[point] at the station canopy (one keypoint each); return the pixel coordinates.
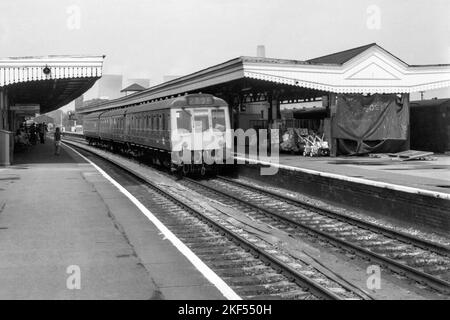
(367, 69)
(49, 82)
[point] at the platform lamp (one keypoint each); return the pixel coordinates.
(46, 70)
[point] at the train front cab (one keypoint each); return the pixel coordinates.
(201, 136)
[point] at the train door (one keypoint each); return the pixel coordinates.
(202, 134)
(182, 129)
(220, 125)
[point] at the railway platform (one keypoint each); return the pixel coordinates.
(66, 232)
(416, 193)
(431, 177)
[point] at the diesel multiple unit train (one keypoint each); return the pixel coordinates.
(188, 133)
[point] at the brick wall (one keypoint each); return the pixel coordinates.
(422, 212)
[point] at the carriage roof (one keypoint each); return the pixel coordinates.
(177, 102)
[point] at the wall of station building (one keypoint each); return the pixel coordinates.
(356, 123)
(6, 137)
(430, 125)
(4, 116)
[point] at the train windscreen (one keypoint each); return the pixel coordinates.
(201, 120)
(184, 120)
(218, 120)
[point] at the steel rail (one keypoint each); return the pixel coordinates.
(421, 243)
(417, 275)
(275, 263)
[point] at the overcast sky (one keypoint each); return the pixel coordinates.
(153, 38)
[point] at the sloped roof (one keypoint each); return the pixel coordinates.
(378, 71)
(342, 56)
(49, 81)
(133, 87)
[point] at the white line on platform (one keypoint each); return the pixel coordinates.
(378, 184)
(191, 256)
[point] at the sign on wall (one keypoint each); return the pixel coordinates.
(26, 108)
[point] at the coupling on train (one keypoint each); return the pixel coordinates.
(189, 134)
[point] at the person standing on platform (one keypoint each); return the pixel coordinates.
(33, 136)
(57, 137)
(41, 132)
(44, 130)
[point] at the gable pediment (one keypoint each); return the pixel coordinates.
(372, 71)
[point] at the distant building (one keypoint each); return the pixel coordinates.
(261, 51)
(140, 81)
(79, 103)
(44, 118)
(57, 115)
(132, 89)
(109, 86)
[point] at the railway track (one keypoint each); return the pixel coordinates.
(422, 261)
(253, 268)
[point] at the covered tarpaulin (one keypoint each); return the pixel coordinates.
(376, 123)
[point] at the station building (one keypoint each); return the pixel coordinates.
(364, 92)
(37, 85)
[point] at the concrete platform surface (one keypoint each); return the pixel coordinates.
(59, 215)
(431, 175)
